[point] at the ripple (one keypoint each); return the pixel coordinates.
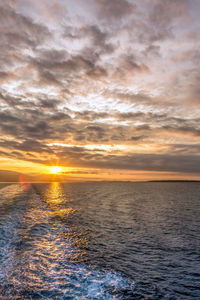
(38, 255)
(100, 241)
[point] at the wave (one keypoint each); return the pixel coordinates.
(36, 252)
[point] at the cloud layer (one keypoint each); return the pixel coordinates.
(101, 84)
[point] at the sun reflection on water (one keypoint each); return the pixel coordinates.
(54, 194)
(57, 201)
(59, 206)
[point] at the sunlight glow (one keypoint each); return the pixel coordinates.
(55, 169)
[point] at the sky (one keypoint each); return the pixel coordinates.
(109, 90)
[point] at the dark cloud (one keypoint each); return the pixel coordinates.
(34, 124)
(19, 29)
(60, 70)
(151, 162)
(18, 33)
(9, 99)
(27, 145)
(116, 9)
(99, 39)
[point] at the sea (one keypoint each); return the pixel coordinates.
(100, 240)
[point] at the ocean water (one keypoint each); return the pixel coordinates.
(100, 241)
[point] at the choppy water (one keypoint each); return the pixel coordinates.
(100, 241)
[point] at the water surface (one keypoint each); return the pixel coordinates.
(100, 241)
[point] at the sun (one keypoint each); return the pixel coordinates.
(55, 169)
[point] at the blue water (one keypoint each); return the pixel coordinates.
(100, 241)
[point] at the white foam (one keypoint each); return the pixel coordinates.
(43, 264)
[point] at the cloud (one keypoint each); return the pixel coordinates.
(114, 9)
(115, 73)
(79, 157)
(19, 31)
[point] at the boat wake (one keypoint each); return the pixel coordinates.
(37, 255)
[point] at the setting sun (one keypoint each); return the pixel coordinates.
(56, 169)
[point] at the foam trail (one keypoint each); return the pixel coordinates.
(36, 257)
